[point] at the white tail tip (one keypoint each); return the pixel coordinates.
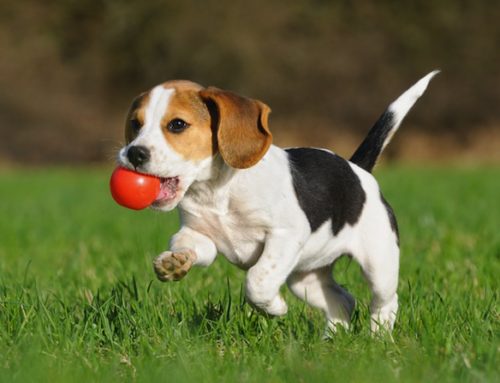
(404, 102)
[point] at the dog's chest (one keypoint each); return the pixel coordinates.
(238, 233)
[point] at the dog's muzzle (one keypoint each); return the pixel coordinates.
(138, 155)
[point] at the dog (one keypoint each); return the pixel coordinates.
(284, 215)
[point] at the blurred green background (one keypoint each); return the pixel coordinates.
(78, 297)
(69, 69)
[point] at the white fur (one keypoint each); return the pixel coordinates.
(253, 217)
(165, 161)
(259, 226)
(402, 105)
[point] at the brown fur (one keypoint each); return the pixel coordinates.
(195, 143)
(243, 136)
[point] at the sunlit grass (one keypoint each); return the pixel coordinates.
(79, 301)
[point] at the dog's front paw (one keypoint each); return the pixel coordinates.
(173, 266)
(276, 307)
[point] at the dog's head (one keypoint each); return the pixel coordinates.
(175, 130)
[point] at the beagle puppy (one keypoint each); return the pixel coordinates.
(284, 215)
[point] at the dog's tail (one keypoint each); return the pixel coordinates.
(380, 134)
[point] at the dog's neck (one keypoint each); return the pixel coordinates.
(211, 190)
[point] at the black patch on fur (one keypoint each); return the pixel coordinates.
(326, 188)
(392, 217)
(367, 153)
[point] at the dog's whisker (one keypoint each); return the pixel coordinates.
(282, 214)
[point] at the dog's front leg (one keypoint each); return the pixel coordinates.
(265, 278)
(187, 248)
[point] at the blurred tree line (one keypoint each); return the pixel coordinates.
(69, 68)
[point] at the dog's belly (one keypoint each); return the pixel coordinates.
(240, 241)
(242, 254)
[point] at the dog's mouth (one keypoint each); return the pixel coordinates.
(169, 187)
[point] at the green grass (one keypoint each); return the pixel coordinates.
(79, 300)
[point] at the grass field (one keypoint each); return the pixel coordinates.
(79, 300)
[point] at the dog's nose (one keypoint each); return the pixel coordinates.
(138, 155)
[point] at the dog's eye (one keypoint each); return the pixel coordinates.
(177, 125)
(135, 125)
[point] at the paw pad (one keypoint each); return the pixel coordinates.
(173, 266)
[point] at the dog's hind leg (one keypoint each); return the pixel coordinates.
(318, 289)
(380, 265)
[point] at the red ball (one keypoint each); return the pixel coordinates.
(133, 190)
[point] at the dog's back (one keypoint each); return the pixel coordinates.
(284, 215)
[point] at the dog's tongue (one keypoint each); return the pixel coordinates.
(168, 189)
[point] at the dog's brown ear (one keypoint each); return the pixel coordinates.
(243, 136)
